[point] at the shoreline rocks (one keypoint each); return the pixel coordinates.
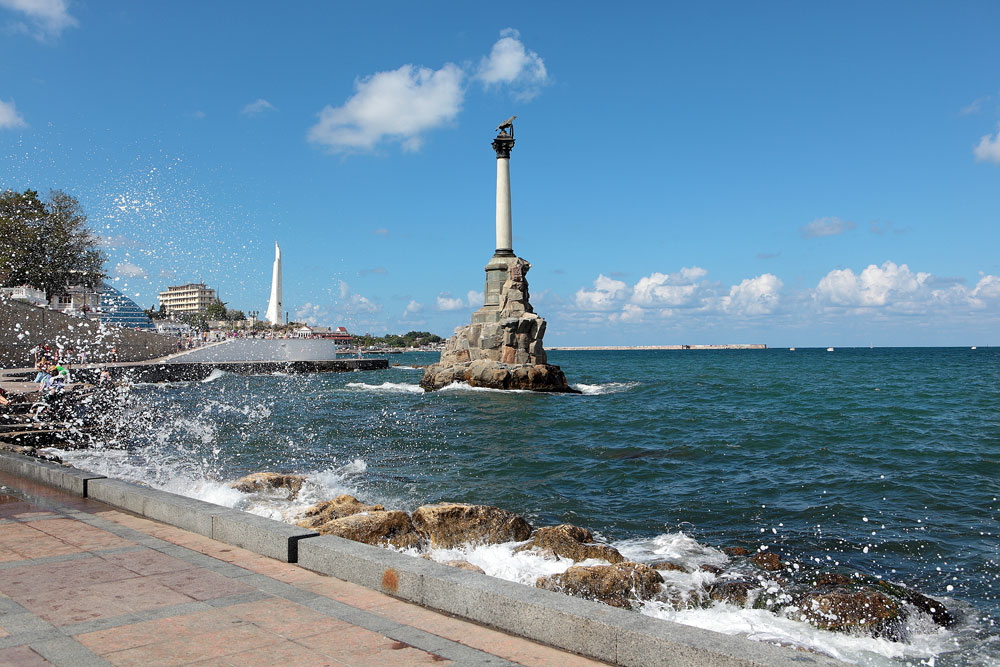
(832, 600)
(621, 585)
(449, 525)
(569, 541)
(269, 481)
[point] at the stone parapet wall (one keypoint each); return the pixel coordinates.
(23, 327)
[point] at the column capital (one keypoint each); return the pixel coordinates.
(503, 145)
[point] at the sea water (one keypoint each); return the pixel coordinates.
(883, 461)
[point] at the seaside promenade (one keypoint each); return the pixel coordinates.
(83, 583)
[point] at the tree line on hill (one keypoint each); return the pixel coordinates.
(409, 339)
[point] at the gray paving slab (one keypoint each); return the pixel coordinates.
(67, 652)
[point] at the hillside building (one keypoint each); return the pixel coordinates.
(191, 298)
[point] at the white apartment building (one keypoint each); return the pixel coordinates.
(192, 298)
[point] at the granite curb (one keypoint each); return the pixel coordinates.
(588, 628)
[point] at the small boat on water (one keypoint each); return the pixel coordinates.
(973, 347)
(829, 349)
(791, 349)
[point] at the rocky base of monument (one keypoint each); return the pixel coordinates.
(497, 375)
(502, 348)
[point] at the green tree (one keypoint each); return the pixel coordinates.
(215, 310)
(47, 244)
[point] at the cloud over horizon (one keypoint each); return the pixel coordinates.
(886, 290)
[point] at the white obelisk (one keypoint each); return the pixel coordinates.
(274, 307)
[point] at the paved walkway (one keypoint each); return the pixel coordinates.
(82, 583)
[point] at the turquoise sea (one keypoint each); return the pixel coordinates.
(884, 461)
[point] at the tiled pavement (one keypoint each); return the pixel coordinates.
(82, 583)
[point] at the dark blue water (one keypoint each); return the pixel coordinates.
(886, 461)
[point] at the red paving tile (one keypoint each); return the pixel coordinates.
(285, 653)
(18, 582)
(147, 561)
(202, 584)
(80, 534)
(265, 632)
(61, 606)
(239, 637)
(21, 656)
(287, 619)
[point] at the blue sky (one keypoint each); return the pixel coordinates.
(780, 173)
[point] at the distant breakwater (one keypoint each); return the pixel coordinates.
(734, 346)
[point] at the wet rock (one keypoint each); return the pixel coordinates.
(935, 609)
(766, 560)
(831, 579)
(711, 569)
(734, 591)
(465, 565)
(338, 508)
(845, 610)
(619, 585)
(667, 565)
(736, 551)
(379, 527)
(449, 525)
(506, 371)
(269, 481)
(569, 541)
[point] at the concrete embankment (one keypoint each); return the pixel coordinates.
(588, 628)
(23, 327)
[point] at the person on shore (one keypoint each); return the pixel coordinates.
(42, 366)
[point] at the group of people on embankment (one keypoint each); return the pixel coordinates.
(52, 369)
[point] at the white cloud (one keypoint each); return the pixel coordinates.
(988, 149)
(682, 289)
(475, 298)
(381, 231)
(259, 106)
(312, 313)
(988, 288)
(130, 270)
(606, 295)
(754, 296)
(511, 63)
(9, 117)
(413, 307)
(826, 227)
(630, 313)
(46, 18)
(352, 303)
(889, 285)
(445, 301)
(399, 105)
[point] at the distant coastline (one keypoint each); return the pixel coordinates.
(737, 346)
